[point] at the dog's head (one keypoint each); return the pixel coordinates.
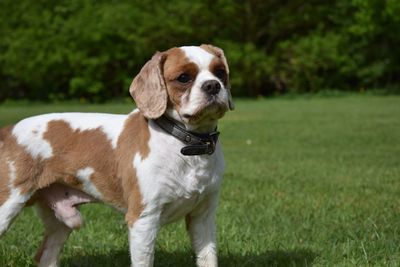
(189, 84)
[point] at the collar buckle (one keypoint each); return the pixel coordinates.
(210, 147)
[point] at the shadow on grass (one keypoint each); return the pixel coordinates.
(277, 258)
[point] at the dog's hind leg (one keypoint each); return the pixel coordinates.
(56, 233)
(11, 198)
(10, 209)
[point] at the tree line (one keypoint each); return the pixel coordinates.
(52, 50)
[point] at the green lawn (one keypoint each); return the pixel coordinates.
(309, 182)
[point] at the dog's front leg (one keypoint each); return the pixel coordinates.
(200, 224)
(142, 237)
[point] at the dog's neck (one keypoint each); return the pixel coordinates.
(195, 143)
(204, 126)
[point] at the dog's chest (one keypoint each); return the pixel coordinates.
(189, 188)
(178, 208)
(174, 183)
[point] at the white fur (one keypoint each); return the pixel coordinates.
(83, 176)
(202, 231)
(170, 191)
(56, 234)
(182, 177)
(29, 132)
(198, 55)
(173, 185)
(142, 236)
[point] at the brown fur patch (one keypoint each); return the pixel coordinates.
(10, 151)
(114, 174)
(219, 53)
(26, 167)
(31, 174)
(216, 65)
(134, 139)
(4, 181)
(4, 169)
(212, 50)
(74, 150)
(177, 63)
(148, 88)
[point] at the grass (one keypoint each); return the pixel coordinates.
(309, 182)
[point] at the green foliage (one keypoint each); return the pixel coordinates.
(311, 62)
(92, 49)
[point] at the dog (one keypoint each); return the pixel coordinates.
(158, 164)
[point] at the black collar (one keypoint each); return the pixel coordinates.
(196, 144)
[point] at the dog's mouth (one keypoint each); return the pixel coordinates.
(211, 110)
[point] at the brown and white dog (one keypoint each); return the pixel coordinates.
(148, 168)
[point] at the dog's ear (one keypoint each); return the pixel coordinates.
(220, 53)
(148, 88)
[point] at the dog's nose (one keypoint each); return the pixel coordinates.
(211, 87)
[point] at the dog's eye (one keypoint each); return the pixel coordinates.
(220, 73)
(184, 78)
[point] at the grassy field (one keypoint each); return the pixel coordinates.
(309, 182)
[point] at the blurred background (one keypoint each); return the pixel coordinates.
(91, 50)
